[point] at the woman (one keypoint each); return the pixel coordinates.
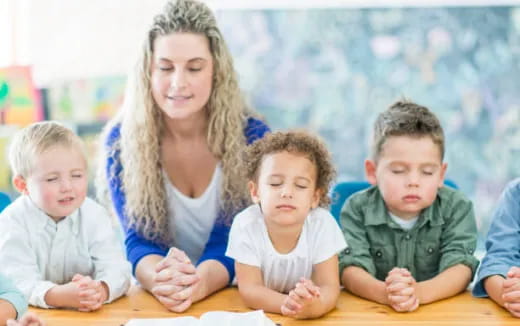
(172, 164)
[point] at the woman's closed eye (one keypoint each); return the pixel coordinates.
(165, 68)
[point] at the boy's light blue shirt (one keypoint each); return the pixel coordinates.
(10, 293)
(503, 239)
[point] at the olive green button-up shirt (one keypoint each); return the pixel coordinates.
(445, 235)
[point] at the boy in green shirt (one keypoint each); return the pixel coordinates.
(411, 240)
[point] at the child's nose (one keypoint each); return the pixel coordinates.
(413, 180)
(287, 192)
(66, 184)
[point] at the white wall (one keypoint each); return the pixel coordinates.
(79, 39)
(73, 39)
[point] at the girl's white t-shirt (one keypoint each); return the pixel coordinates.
(249, 244)
(191, 219)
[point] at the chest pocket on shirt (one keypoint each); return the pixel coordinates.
(383, 256)
(427, 255)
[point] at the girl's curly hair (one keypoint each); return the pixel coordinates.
(300, 142)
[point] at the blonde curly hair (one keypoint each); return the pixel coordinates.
(142, 127)
(300, 142)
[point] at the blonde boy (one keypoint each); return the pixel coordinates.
(56, 244)
(411, 240)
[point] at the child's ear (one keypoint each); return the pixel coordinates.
(444, 167)
(20, 184)
(253, 191)
(370, 172)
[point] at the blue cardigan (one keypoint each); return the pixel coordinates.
(136, 246)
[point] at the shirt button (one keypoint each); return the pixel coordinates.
(408, 237)
(379, 254)
(430, 250)
(346, 251)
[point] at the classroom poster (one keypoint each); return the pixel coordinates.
(20, 101)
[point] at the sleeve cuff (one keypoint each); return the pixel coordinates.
(478, 290)
(135, 257)
(346, 259)
(37, 297)
(468, 260)
(117, 285)
(229, 264)
(18, 302)
(326, 255)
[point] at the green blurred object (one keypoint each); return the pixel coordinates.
(4, 92)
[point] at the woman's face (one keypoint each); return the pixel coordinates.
(181, 74)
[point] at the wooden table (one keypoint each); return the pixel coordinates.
(460, 310)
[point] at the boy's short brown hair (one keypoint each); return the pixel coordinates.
(34, 139)
(300, 142)
(405, 118)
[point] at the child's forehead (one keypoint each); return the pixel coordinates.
(287, 162)
(61, 153)
(71, 148)
(286, 156)
(410, 146)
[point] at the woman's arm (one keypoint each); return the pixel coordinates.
(213, 276)
(145, 271)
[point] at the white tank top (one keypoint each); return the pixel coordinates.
(191, 219)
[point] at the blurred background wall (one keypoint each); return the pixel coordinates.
(329, 66)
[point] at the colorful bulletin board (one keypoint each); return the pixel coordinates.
(20, 101)
(87, 100)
